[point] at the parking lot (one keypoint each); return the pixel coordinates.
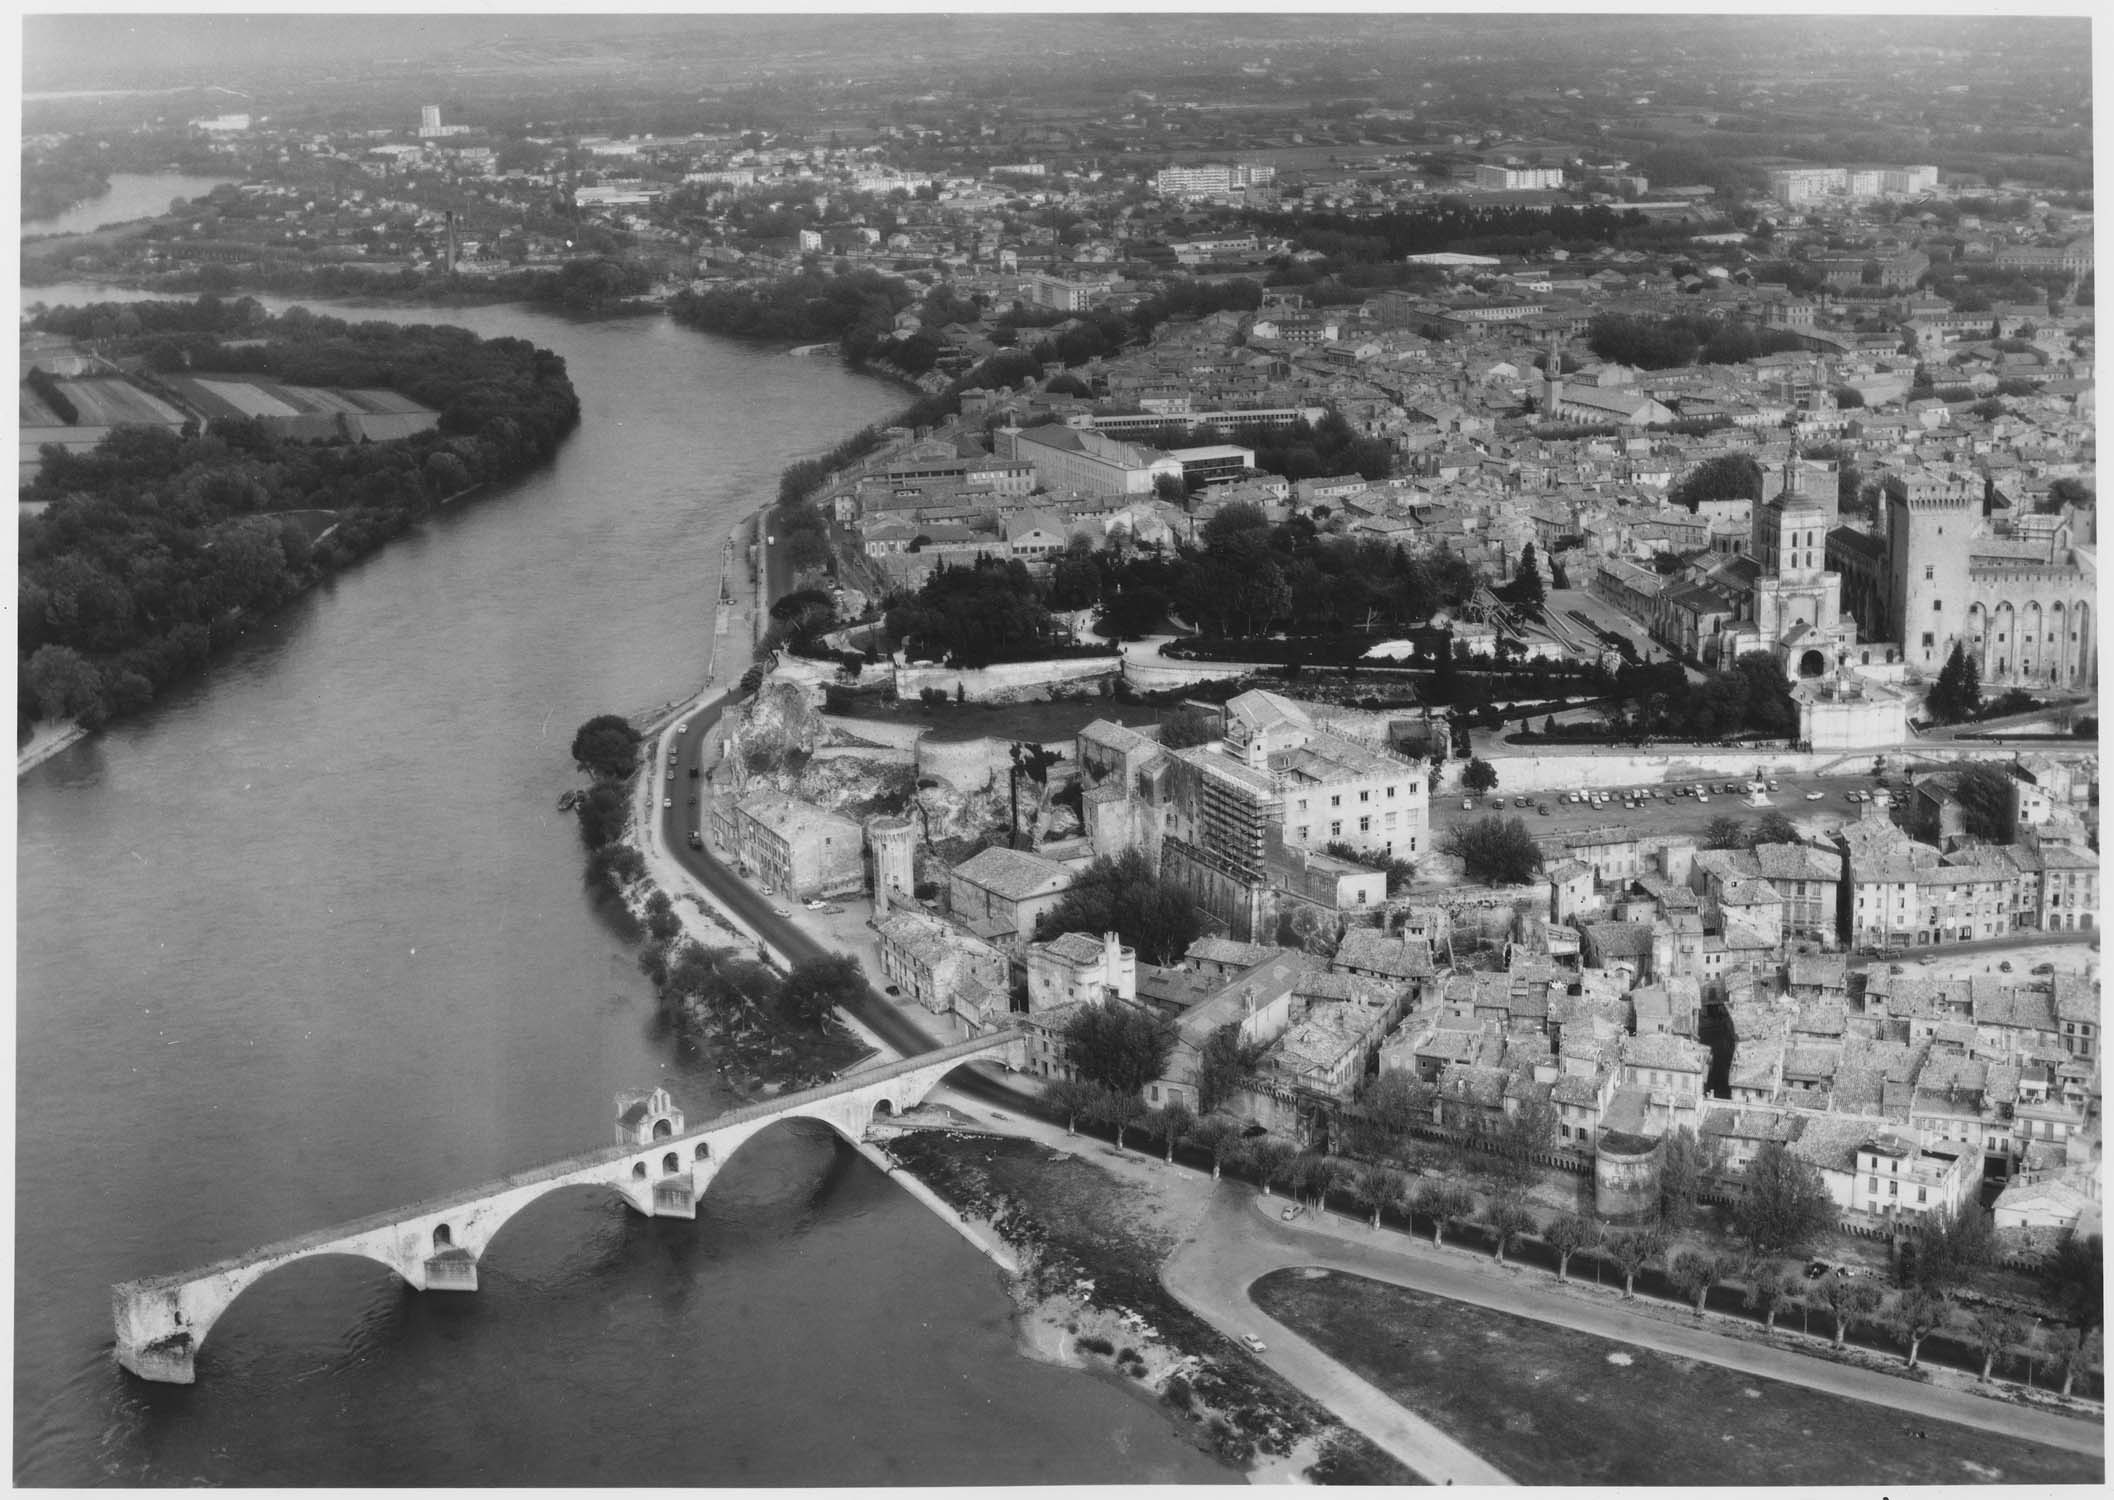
(1818, 805)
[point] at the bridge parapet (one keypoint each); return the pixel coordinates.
(436, 1244)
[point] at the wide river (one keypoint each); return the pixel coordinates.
(309, 941)
(132, 195)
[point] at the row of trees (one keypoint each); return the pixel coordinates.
(1783, 1208)
(158, 546)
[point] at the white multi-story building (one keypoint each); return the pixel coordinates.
(1498, 179)
(1197, 181)
(1331, 789)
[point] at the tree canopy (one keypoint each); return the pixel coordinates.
(1957, 692)
(1120, 893)
(606, 747)
(1728, 476)
(1783, 1202)
(1118, 1046)
(156, 546)
(972, 616)
(1496, 851)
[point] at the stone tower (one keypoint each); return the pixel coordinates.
(894, 844)
(1930, 521)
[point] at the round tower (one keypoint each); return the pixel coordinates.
(893, 842)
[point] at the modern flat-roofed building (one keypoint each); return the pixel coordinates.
(1208, 178)
(1502, 179)
(1070, 458)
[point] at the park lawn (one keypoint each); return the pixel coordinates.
(1551, 1405)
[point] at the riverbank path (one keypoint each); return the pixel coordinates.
(1243, 1239)
(1240, 1239)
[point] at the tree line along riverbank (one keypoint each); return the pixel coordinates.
(158, 546)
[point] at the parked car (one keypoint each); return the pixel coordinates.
(1519, 801)
(1543, 809)
(1290, 1213)
(2004, 967)
(1702, 796)
(1468, 804)
(2044, 968)
(696, 842)
(1497, 804)
(780, 911)
(1815, 796)
(815, 905)
(1772, 786)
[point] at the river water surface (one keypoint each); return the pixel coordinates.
(132, 195)
(309, 941)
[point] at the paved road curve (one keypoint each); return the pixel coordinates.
(1241, 1240)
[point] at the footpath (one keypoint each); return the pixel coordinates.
(1240, 1238)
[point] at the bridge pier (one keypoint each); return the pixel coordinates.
(172, 1360)
(659, 1168)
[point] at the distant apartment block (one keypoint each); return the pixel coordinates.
(1492, 179)
(1797, 186)
(1196, 182)
(1065, 293)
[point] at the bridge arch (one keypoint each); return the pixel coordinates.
(199, 1307)
(162, 1321)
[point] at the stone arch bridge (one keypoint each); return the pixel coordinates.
(662, 1170)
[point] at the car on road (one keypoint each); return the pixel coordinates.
(695, 841)
(1468, 804)
(779, 911)
(1254, 1343)
(682, 729)
(770, 540)
(1771, 785)
(1815, 796)
(667, 802)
